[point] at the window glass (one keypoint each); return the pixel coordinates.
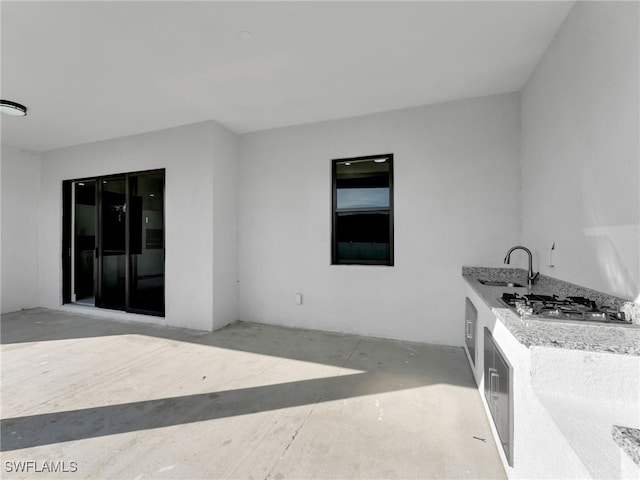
(363, 197)
(362, 223)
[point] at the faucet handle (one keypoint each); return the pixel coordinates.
(535, 277)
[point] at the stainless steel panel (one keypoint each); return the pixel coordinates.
(471, 320)
(502, 403)
(489, 350)
(498, 385)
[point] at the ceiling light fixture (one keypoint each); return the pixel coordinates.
(12, 108)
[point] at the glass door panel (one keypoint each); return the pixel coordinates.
(112, 244)
(146, 242)
(84, 242)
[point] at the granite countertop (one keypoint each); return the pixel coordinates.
(619, 339)
(629, 440)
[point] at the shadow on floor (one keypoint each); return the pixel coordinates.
(49, 428)
(391, 374)
(43, 325)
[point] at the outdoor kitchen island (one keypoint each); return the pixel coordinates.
(567, 385)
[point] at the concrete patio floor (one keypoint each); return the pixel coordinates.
(100, 398)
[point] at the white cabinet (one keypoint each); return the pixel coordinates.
(551, 409)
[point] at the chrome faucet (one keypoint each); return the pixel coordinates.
(531, 278)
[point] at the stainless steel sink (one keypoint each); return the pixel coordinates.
(500, 283)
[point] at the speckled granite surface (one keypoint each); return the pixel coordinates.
(629, 441)
(624, 340)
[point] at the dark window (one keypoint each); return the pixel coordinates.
(363, 210)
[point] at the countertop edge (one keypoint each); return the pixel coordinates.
(629, 441)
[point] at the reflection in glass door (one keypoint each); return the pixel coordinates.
(113, 242)
(146, 242)
(84, 242)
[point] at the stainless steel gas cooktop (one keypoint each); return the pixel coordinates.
(569, 309)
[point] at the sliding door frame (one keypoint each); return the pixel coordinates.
(68, 231)
(99, 246)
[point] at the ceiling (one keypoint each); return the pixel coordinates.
(90, 71)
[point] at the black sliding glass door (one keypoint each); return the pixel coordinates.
(84, 242)
(146, 242)
(113, 242)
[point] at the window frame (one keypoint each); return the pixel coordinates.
(335, 211)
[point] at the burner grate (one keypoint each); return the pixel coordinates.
(573, 308)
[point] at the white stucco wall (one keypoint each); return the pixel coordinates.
(586, 393)
(580, 150)
(456, 186)
(20, 173)
(190, 158)
(226, 152)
